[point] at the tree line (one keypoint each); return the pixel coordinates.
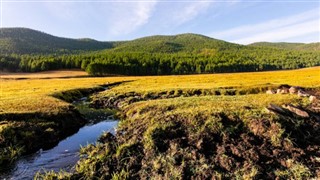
(130, 63)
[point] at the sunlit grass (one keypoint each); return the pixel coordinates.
(33, 95)
(213, 103)
(309, 77)
(190, 133)
(190, 106)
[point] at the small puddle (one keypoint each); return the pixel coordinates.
(63, 156)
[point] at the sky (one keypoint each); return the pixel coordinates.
(238, 21)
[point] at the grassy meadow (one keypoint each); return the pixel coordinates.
(31, 118)
(34, 95)
(179, 127)
(308, 77)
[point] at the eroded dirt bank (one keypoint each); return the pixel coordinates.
(27, 133)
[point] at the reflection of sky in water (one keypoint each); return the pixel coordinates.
(63, 156)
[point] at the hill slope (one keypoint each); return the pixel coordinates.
(289, 46)
(176, 43)
(27, 41)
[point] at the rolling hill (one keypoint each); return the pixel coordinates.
(289, 46)
(176, 43)
(28, 41)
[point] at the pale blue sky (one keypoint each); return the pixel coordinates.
(240, 21)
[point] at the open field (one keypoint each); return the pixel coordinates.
(308, 77)
(176, 126)
(43, 75)
(173, 127)
(34, 95)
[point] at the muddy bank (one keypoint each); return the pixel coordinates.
(76, 94)
(223, 146)
(63, 156)
(27, 133)
(120, 100)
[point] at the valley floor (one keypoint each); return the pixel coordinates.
(193, 126)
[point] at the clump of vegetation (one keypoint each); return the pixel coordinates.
(49, 175)
(295, 170)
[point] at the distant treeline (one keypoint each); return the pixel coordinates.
(126, 63)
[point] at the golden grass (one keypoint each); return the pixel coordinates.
(213, 104)
(33, 95)
(45, 74)
(309, 77)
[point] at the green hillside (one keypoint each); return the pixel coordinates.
(26, 50)
(289, 46)
(176, 43)
(28, 41)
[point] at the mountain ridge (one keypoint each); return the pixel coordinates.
(29, 41)
(314, 46)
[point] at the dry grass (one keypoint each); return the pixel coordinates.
(309, 77)
(33, 95)
(185, 105)
(198, 135)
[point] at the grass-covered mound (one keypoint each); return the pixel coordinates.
(207, 137)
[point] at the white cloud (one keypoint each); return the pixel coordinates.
(129, 17)
(190, 12)
(274, 30)
(280, 34)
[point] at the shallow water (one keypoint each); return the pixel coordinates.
(63, 156)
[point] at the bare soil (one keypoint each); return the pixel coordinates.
(44, 74)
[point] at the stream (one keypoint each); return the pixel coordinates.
(64, 155)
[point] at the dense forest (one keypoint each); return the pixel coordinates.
(289, 46)
(164, 63)
(154, 55)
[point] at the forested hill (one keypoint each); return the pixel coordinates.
(288, 46)
(28, 41)
(188, 42)
(25, 50)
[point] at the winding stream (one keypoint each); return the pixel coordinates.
(63, 156)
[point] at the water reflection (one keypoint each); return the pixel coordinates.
(63, 156)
